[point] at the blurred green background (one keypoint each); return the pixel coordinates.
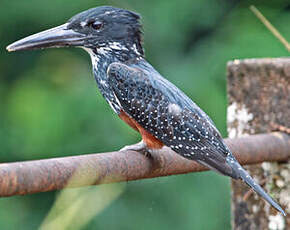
(50, 105)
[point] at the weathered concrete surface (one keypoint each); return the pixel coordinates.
(259, 102)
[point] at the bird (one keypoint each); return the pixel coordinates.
(138, 93)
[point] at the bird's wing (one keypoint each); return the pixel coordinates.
(169, 115)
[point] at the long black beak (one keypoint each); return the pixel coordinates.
(59, 36)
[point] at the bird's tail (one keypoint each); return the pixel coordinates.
(244, 175)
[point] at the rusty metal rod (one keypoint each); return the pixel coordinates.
(28, 177)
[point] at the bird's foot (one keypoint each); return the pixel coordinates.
(136, 147)
(139, 147)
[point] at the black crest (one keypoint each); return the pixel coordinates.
(108, 24)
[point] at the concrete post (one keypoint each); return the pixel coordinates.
(259, 102)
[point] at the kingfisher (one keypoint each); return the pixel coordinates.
(139, 94)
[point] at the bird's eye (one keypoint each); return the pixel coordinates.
(96, 25)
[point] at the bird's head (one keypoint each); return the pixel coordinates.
(100, 28)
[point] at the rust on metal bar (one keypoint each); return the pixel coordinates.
(29, 177)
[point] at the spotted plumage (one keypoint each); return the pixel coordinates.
(168, 114)
(140, 96)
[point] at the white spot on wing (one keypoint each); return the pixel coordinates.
(174, 109)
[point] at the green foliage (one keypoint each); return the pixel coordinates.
(50, 105)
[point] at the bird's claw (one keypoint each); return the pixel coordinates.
(139, 147)
(136, 147)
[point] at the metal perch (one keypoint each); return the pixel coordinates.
(28, 177)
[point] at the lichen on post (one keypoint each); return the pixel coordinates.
(259, 102)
